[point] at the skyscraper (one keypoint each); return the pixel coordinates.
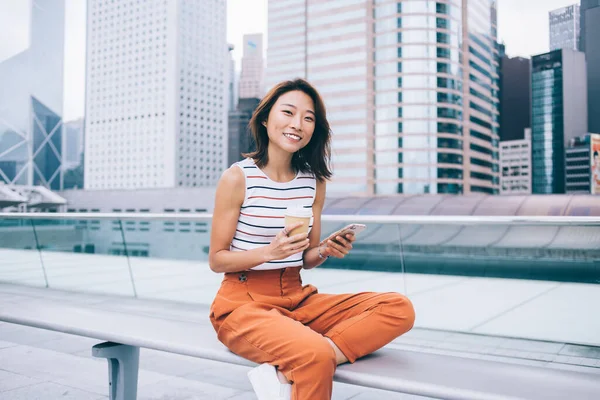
(411, 89)
(564, 28)
(240, 136)
(232, 92)
(515, 97)
(251, 77)
(585, 5)
(559, 113)
(31, 102)
(590, 44)
(156, 94)
(73, 143)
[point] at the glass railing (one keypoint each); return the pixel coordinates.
(524, 277)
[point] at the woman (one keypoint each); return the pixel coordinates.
(262, 311)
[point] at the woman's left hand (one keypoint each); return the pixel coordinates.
(339, 247)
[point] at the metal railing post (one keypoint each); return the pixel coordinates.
(127, 257)
(39, 249)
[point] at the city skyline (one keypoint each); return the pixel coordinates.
(525, 19)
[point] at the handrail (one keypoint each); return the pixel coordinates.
(377, 219)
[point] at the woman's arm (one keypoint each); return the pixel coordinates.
(339, 250)
(228, 202)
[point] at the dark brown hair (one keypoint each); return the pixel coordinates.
(313, 158)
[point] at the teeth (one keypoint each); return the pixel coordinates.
(291, 136)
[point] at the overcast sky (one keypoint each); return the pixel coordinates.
(522, 26)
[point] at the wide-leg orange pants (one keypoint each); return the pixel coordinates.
(269, 317)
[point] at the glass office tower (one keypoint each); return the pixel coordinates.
(411, 89)
(31, 102)
(559, 113)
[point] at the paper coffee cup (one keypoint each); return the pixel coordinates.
(295, 214)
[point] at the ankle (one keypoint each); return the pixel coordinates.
(281, 377)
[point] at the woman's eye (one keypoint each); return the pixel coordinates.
(288, 112)
(309, 119)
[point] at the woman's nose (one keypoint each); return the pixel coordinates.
(296, 122)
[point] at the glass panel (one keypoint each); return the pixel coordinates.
(165, 259)
(85, 255)
(19, 257)
(539, 265)
(427, 263)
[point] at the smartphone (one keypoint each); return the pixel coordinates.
(355, 229)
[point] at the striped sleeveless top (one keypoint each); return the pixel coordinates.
(262, 213)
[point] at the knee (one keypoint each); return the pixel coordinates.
(321, 358)
(403, 311)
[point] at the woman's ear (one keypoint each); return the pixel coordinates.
(264, 123)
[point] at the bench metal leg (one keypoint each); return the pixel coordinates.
(123, 363)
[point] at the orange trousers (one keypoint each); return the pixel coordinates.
(270, 317)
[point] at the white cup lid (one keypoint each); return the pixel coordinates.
(298, 211)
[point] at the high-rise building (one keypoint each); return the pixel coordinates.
(579, 164)
(564, 29)
(515, 97)
(31, 102)
(515, 165)
(590, 30)
(559, 113)
(156, 94)
(411, 89)
(73, 146)
(73, 143)
(232, 92)
(240, 137)
(251, 77)
(584, 6)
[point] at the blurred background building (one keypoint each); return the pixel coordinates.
(515, 165)
(590, 45)
(73, 143)
(579, 164)
(559, 113)
(252, 73)
(515, 97)
(240, 137)
(232, 93)
(156, 94)
(414, 107)
(73, 159)
(564, 29)
(31, 102)
(584, 6)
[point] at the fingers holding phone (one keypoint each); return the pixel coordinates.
(339, 246)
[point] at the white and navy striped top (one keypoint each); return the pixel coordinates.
(262, 213)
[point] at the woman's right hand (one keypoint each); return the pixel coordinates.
(284, 246)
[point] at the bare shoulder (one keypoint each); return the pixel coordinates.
(232, 184)
(232, 177)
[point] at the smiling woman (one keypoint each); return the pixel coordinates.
(262, 311)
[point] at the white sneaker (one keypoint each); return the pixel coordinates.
(266, 384)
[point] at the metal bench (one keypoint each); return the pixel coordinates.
(123, 333)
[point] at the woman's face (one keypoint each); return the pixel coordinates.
(291, 121)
